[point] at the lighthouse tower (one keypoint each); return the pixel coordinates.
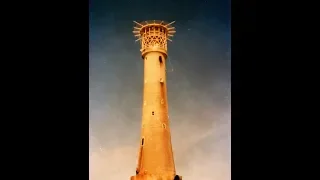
(155, 159)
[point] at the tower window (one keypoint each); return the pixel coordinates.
(164, 126)
(152, 112)
(142, 141)
(160, 59)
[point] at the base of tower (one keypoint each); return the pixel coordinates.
(155, 177)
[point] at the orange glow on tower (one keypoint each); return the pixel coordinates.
(155, 159)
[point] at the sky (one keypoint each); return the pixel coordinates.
(199, 86)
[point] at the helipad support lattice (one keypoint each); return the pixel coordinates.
(154, 35)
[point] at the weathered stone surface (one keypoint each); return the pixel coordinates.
(155, 161)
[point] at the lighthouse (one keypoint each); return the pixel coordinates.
(155, 157)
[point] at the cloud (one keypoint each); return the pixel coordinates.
(199, 154)
(115, 163)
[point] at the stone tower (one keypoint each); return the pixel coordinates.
(155, 160)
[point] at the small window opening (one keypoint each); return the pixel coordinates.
(160, 59)
(152, 112)
(142, 141)
(164, 126)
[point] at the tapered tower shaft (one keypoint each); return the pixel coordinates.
(155, 159)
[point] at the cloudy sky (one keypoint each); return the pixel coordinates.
(198, 87)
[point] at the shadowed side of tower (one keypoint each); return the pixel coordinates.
(155, 160)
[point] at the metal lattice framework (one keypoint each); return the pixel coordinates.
(153, 35)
